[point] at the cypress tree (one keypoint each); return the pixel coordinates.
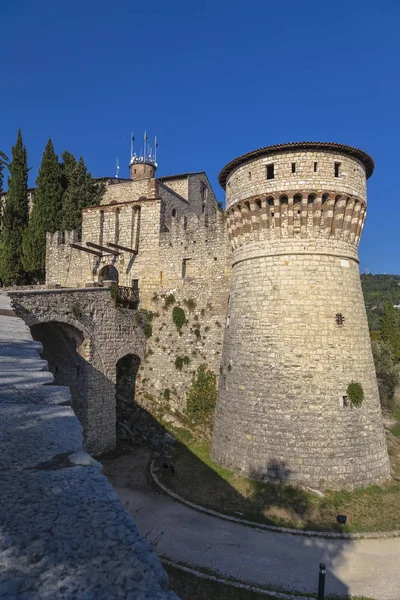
(3, 162)
(15, 216)
(80, 191)
(46, 213)
(390, 330)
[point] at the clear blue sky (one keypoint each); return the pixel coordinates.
(212, 79)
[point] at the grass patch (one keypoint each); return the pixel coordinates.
(200, 480)
(191, 587)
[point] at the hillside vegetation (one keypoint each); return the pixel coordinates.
(376, 289)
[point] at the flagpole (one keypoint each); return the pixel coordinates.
(131, 145)
(155, 149)
(144, 152)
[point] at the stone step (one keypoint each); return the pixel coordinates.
(40, 394)
(17, 378)
(11, 363)
(11, 347)
(32, 435)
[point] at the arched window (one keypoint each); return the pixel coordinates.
(258, 203)
(325, 198)
(283, 199)
(174, 212)
(297, 204)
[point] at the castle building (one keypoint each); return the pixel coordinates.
(279, 317)
(297, 332)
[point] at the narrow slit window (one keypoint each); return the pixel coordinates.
(293, 167)
(337, 169)
(270, 172)
(315, 167)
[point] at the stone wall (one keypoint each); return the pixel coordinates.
(207, 259)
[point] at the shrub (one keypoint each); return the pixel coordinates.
(167, 394)
(197, 333)
(114, 291)
(169, 301)
(387, 373)
(355, 393)
(190, 303)
(179, 317)
(144, 318)
(76, 311)
(180, 361)
(202, 396)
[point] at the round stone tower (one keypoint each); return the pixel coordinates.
(139, 168)
(296, 332)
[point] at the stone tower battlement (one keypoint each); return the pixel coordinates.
(297, 333)
(306, 190)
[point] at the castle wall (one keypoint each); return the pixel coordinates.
(128, 191)
(207, 256)
(179, 185)
(296, 330)
(250, 179)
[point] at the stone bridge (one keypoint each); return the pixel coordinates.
(86, 338)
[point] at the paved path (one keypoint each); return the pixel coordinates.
(361, 567)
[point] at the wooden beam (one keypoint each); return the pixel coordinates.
(77, 247)
(124, 248)
(103, 248)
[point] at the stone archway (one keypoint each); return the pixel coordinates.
(125, 406)
(108, 273)
(65, 349)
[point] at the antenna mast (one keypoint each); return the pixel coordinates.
(117, 173)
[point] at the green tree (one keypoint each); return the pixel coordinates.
(387, 373)
(15, 216)
(80, 191)
(3, 162)
(46, 214)
(390, 330)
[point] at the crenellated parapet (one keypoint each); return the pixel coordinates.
(294, 214)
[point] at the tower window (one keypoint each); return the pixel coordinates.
(315, 167)
(270, 172)
(204, 192)
(293, 167)
(174, 212)
(337, 169)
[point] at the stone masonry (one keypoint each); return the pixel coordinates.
(297, 332)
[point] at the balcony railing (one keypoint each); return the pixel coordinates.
(128, 297)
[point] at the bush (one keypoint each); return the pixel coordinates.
(180, 361)
(169, 301)
(167, 394)
(387, 373)
(197, 333)
(190, 303)
(179, 317)
(202, 396)
(355, 393)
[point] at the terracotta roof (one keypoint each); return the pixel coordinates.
(329, 146)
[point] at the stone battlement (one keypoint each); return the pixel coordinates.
(309, 214)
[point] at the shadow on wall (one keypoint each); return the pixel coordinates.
(61, 344)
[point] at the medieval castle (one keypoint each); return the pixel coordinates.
(273, 303)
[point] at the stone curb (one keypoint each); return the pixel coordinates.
(274, 528)
(236, 584)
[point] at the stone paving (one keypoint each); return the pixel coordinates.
(64, 533)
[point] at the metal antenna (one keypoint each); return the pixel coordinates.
(155, 149)
(117, 168)
(132, 140)
(145, 140)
